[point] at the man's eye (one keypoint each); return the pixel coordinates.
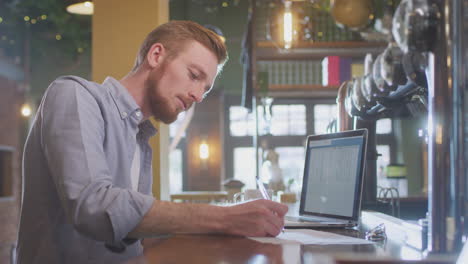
(193, 76)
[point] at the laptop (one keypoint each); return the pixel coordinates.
(332, 182)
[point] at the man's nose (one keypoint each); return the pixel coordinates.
(197, 95)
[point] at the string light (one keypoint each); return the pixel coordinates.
(27, 18)
(225, 4)
(1, 19)
(44, 17)
(58, 37)
(33, 21)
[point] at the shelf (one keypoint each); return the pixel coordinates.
(302, 91)
(334, 44)
(267, 50)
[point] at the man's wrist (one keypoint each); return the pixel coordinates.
(222, 219)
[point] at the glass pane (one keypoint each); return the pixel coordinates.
(297, 127)
(241, 122)
(237, 113)
(291, 162)
(245, 166)
(323, 115)
(173, 127)
(280, 120)
(251, 126)
(175, 171)
(238, 118)
(382, 162)
(297, 120)
(238, 129)
(384, 126)
(288, 120)
(279, 128)
(263, 126)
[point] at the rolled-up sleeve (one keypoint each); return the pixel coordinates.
(73, 137)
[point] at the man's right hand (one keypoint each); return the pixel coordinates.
(255, 218)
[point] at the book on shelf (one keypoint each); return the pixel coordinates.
(335, 70)
(357, 70)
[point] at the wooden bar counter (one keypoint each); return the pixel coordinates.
(231, 249)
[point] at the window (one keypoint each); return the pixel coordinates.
(384, 126)
(288, 120)
(176, 161)
(382, 162)
(386, 149)
(245, 164)
(241, 123)
(291, 162)
(323, 115)
(292, 120)
(174, 127)
(175, 171)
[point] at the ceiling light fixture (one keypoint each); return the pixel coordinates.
(81, 8)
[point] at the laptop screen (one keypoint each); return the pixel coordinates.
(333, 174)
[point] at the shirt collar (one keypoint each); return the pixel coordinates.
(147, 128)
(122, 98)
(127, 105)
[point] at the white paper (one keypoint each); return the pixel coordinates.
(310, 237)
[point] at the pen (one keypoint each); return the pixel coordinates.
(262, 189)
(264, 193)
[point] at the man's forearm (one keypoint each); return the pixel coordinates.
(253, 218)
(167, 218)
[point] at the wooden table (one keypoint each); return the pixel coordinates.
(231, 249)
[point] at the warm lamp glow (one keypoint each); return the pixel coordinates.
(287, 25)
(83, 8)
(204, 151)
(26, 110)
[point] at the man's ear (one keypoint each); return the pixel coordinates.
(155, 55)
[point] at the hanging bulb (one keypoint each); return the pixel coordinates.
(287, 25)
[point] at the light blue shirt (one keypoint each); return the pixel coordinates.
(78, 203)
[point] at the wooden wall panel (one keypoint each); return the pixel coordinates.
(207, 124)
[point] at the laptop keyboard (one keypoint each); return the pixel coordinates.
(300, 219)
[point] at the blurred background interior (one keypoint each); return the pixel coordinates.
(296, 68)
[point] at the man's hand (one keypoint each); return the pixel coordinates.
(255, 218)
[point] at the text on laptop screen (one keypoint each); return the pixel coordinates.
(333, 168)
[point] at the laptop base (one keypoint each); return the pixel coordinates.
(299, 222)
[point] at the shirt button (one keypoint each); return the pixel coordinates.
(124, 114)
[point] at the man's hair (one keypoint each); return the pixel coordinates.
(174, 36)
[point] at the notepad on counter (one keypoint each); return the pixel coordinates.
(310, 237)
